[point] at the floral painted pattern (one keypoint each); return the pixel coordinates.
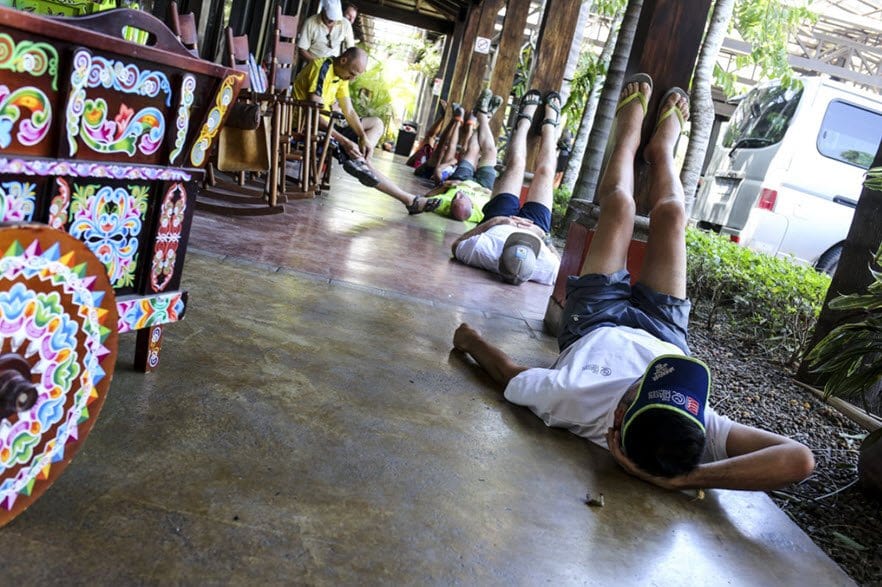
(146, 312)
(168, 237)
(17, 201)
(215, 116)
(60, 205)
(44, 167)
(126, 131)
(109, 220)
(188, 87)
(32, 129)
(62, 332)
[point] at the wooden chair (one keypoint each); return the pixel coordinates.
(184, 28)
(244, 151)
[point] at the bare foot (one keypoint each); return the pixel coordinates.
(629, 118)
(464, 336)
(667, 132)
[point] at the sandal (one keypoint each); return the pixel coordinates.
(430, 205)
(531, 98)
(482, 106)
(548, 102)
(638, 95)
(673, 110)
(458, 111)
(495, 103)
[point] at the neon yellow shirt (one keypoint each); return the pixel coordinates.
(475, 192)
(318, 78)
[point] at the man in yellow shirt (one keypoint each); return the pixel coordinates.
(327, 81)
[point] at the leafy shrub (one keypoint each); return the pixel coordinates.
(771, 301)
(562, 197)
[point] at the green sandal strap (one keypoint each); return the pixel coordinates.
(635, 96)
(673, 111)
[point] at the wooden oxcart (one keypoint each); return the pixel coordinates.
(103, 141)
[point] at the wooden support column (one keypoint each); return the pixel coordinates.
(470, 32)
(508, 53)
(555, 39)
(666, 45)
(478, 61)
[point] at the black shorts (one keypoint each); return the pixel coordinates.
(484, 176)
(510, 205)
(596, 300)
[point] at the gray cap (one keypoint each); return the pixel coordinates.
(518, 259)
(332, 9)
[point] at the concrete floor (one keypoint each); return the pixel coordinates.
(309, 425)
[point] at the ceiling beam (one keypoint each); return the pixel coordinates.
(411, 17)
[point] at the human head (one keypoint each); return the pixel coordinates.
(662, 427)
(518, 259)
(350, 64)
(331, 11)
(350, 12)
(460, 206)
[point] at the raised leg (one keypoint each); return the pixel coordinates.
(541, 188)
(608, 252)
(512, 178)
(486, 142)
(664, 266)
(373, 129)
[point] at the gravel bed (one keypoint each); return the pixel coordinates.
(754, 388)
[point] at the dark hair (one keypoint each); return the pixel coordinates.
(664, 443)
(349, 5)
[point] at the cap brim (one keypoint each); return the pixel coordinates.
(527, 239)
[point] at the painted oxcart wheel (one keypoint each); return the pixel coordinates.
(58, 343)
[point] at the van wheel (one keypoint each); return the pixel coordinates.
(829, 261)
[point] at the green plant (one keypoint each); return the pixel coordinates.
(561, 201)
(850, 356)
(766, 299)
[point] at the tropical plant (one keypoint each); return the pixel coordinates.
(849, 358)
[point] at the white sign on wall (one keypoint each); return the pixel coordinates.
(436, 86)
(482, 45)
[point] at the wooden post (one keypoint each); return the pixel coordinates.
(508, 53)
(555, 39)
(477, 60)
(470, 32)
(666, 46)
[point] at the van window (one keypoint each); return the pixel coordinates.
(850, 134)
(762, 117)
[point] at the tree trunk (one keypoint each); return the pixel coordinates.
(580, 142)
(702, 103)
(589, 174)
(853, 273)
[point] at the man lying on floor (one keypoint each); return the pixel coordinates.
(467, 188)
(511, 239)
(624, 379)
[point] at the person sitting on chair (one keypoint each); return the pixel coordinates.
(327, 81)
(624, 379)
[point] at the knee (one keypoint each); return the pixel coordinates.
(374, 123)
(619, 203)
(545, 168)
(670, 212)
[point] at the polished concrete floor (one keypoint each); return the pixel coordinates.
(310, 425)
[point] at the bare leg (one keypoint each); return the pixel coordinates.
(486, 142)
(664, 267)
(512, 178)
(473, 150)
(388, 187)
(373, 129)
(447, 150)
(434, 130)
(541, 190)
(450, 135)
(608, 252)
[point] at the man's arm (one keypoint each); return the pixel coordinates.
(496, 363)
(758, 461)
(306, 55)
(355, 123)
(483, 227)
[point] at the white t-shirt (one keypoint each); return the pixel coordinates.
(314, 37)
(581, 390)
(483, 250)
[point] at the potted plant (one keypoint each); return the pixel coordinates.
(849, 358)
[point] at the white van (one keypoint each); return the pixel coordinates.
(786, 175)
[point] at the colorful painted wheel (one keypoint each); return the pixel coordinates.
(58, 344)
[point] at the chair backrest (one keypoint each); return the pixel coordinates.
(286, 25)
(285, 60)
(237, 54)
(184, 27)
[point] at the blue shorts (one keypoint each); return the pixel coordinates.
(484, 176)
(510, 205)
(596, 300)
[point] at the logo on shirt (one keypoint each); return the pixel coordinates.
(598, 370)
(661, 370)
